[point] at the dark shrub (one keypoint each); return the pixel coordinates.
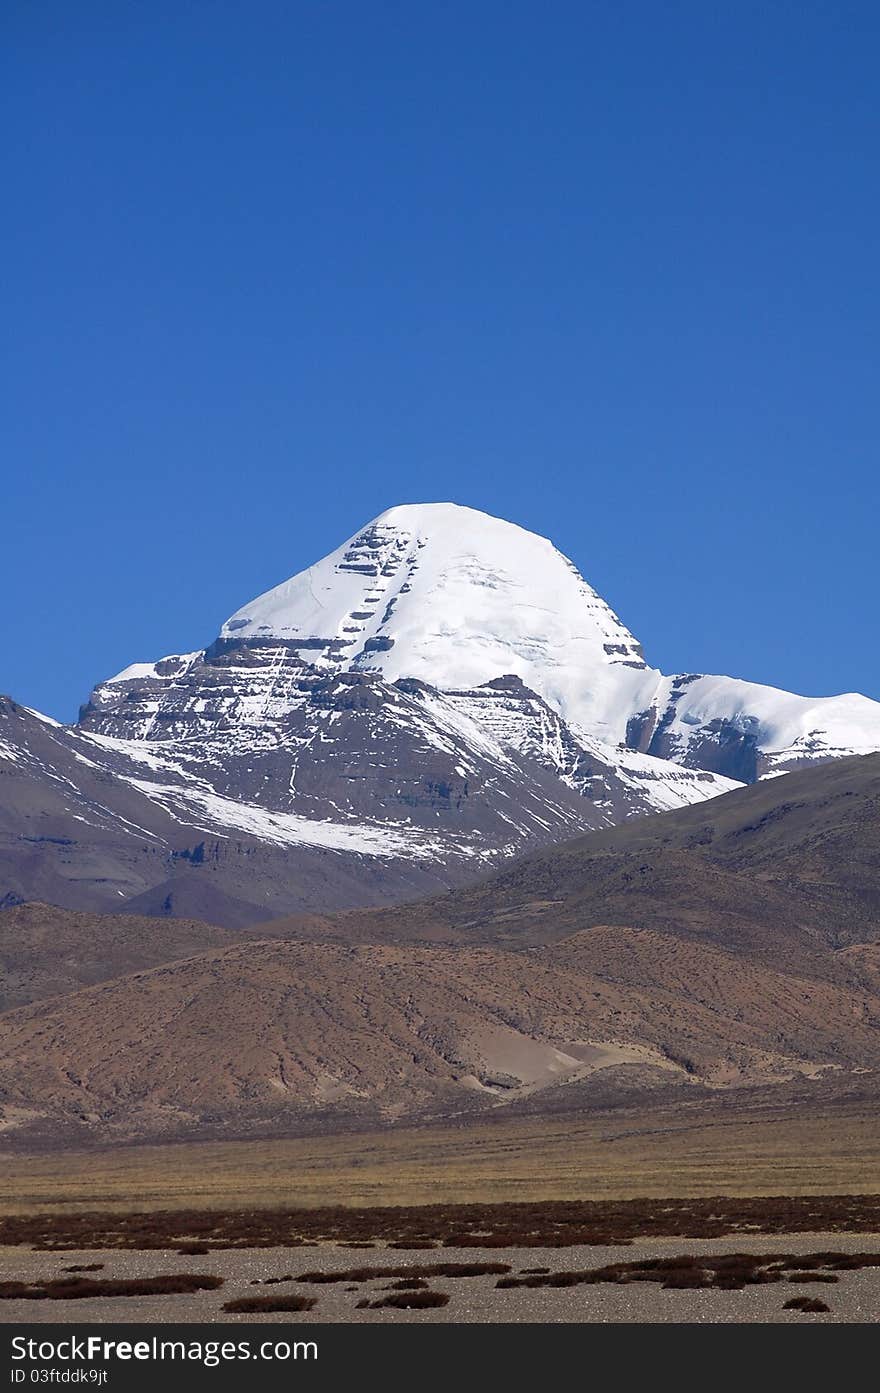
(253, 1304)
(849, 1262)
(553, 1223)
(77, 1288)
(686, 1281)
(723, 1272)
(806, 1303)
(411, 1300)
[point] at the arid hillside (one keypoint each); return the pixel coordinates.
(275, 1037)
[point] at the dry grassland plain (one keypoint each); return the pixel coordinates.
(675, 1151)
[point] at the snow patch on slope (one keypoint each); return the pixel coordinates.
(208, 811)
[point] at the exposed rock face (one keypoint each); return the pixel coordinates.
(278, 731)
(749, 732)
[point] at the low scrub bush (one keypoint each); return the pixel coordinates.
(411, 1300)
(723, 1272)
(78, 1288)
(557, 1223)
(806, 1303)
(245, 1305)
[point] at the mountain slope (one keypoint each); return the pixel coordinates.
(45, 951)
(249, 1040)
(98, 825)
(781, 872)
(714, 947)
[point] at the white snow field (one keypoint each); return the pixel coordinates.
(456, 598)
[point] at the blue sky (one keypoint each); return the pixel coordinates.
(608, 270)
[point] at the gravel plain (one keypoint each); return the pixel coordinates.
(855, 1297)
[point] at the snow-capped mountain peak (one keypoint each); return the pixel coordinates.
(455, 598)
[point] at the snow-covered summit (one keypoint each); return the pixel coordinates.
(455, 598)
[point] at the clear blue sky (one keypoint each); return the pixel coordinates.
(606, 269)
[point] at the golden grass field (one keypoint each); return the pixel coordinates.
(674, 1151)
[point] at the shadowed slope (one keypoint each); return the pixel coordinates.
(777, 871)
